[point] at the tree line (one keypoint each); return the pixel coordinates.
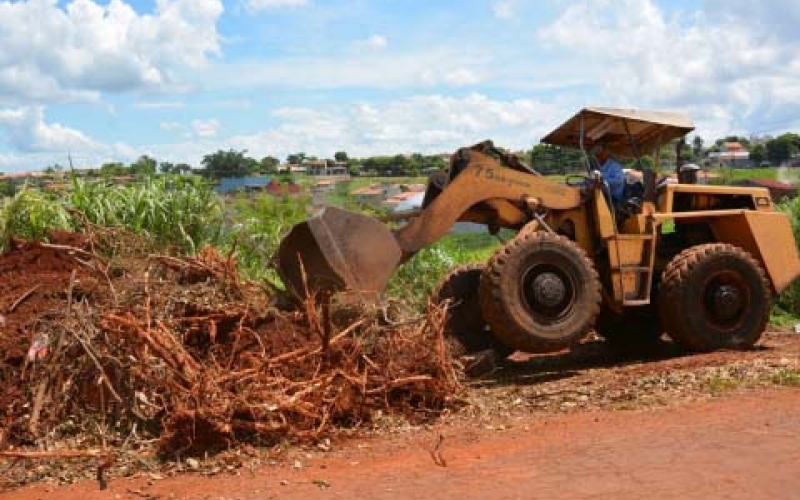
(771, 151)
(235, 163)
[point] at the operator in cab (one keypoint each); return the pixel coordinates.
(612, 172)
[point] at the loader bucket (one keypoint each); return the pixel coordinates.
(337, 250)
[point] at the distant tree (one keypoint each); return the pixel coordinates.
(229, 163)
(433, 162)
(296, 158)
(183, 168)
(378, 165)
(51, 169)
(418, 163)
(697, 147)
(113, 169)
(401, 165)
(144, 165)
(782, 148)
(645, 162)
(354, 167)
(340, 156)
(7, 188)
(758, 154)
(269, 165)
(687, 153)
(166, 167)
(550, 159)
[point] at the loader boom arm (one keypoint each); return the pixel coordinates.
(339, 250)
(482, 180)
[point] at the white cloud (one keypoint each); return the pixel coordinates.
(160, 105)
(461, 77)
(456, 77)
(49, 52)
(169, 126)
(375, 42)
(732, 66)
(424, 123)
(504, 9)
(206, 128)
(37, 143)
(365, 69)
(237, 104)
(256, 5)
(27, 131)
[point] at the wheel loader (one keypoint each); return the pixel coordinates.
(700, 263)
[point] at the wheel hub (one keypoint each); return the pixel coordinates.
(726, 301)
(548, 289)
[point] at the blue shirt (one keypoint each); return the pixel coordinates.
(614, 178)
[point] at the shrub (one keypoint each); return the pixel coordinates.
(175, 211)
(29, 214)
(789, 300)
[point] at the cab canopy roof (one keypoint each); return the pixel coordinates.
(607, 126)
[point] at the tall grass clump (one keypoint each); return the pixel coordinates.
(788, 302)
(180, 212)
(30, 214)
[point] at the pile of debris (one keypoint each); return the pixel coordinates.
(180, 352)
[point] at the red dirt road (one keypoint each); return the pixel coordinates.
(743, 445)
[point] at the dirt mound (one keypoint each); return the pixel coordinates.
(102, 351)
(34, 281)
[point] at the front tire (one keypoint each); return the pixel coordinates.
(714, 296)
(540, 293)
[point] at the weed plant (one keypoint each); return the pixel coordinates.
(255, 226)
(174, 211)
(30, 214)
(787, 304)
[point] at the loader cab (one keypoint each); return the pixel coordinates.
(625, 235)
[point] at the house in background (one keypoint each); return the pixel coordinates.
(292, 168)
(733, 154)
(409, 198)
(326, 168)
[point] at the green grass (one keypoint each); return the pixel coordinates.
(29, 214)
(174, 211)
(254, 228)
(787, 305)
(179, 213)
(729, 175)
(787, 377)
(720, 384)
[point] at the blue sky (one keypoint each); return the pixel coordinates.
(176, 79)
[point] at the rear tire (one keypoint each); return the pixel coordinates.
(465, 329)
(714, 296)
(540, 293)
